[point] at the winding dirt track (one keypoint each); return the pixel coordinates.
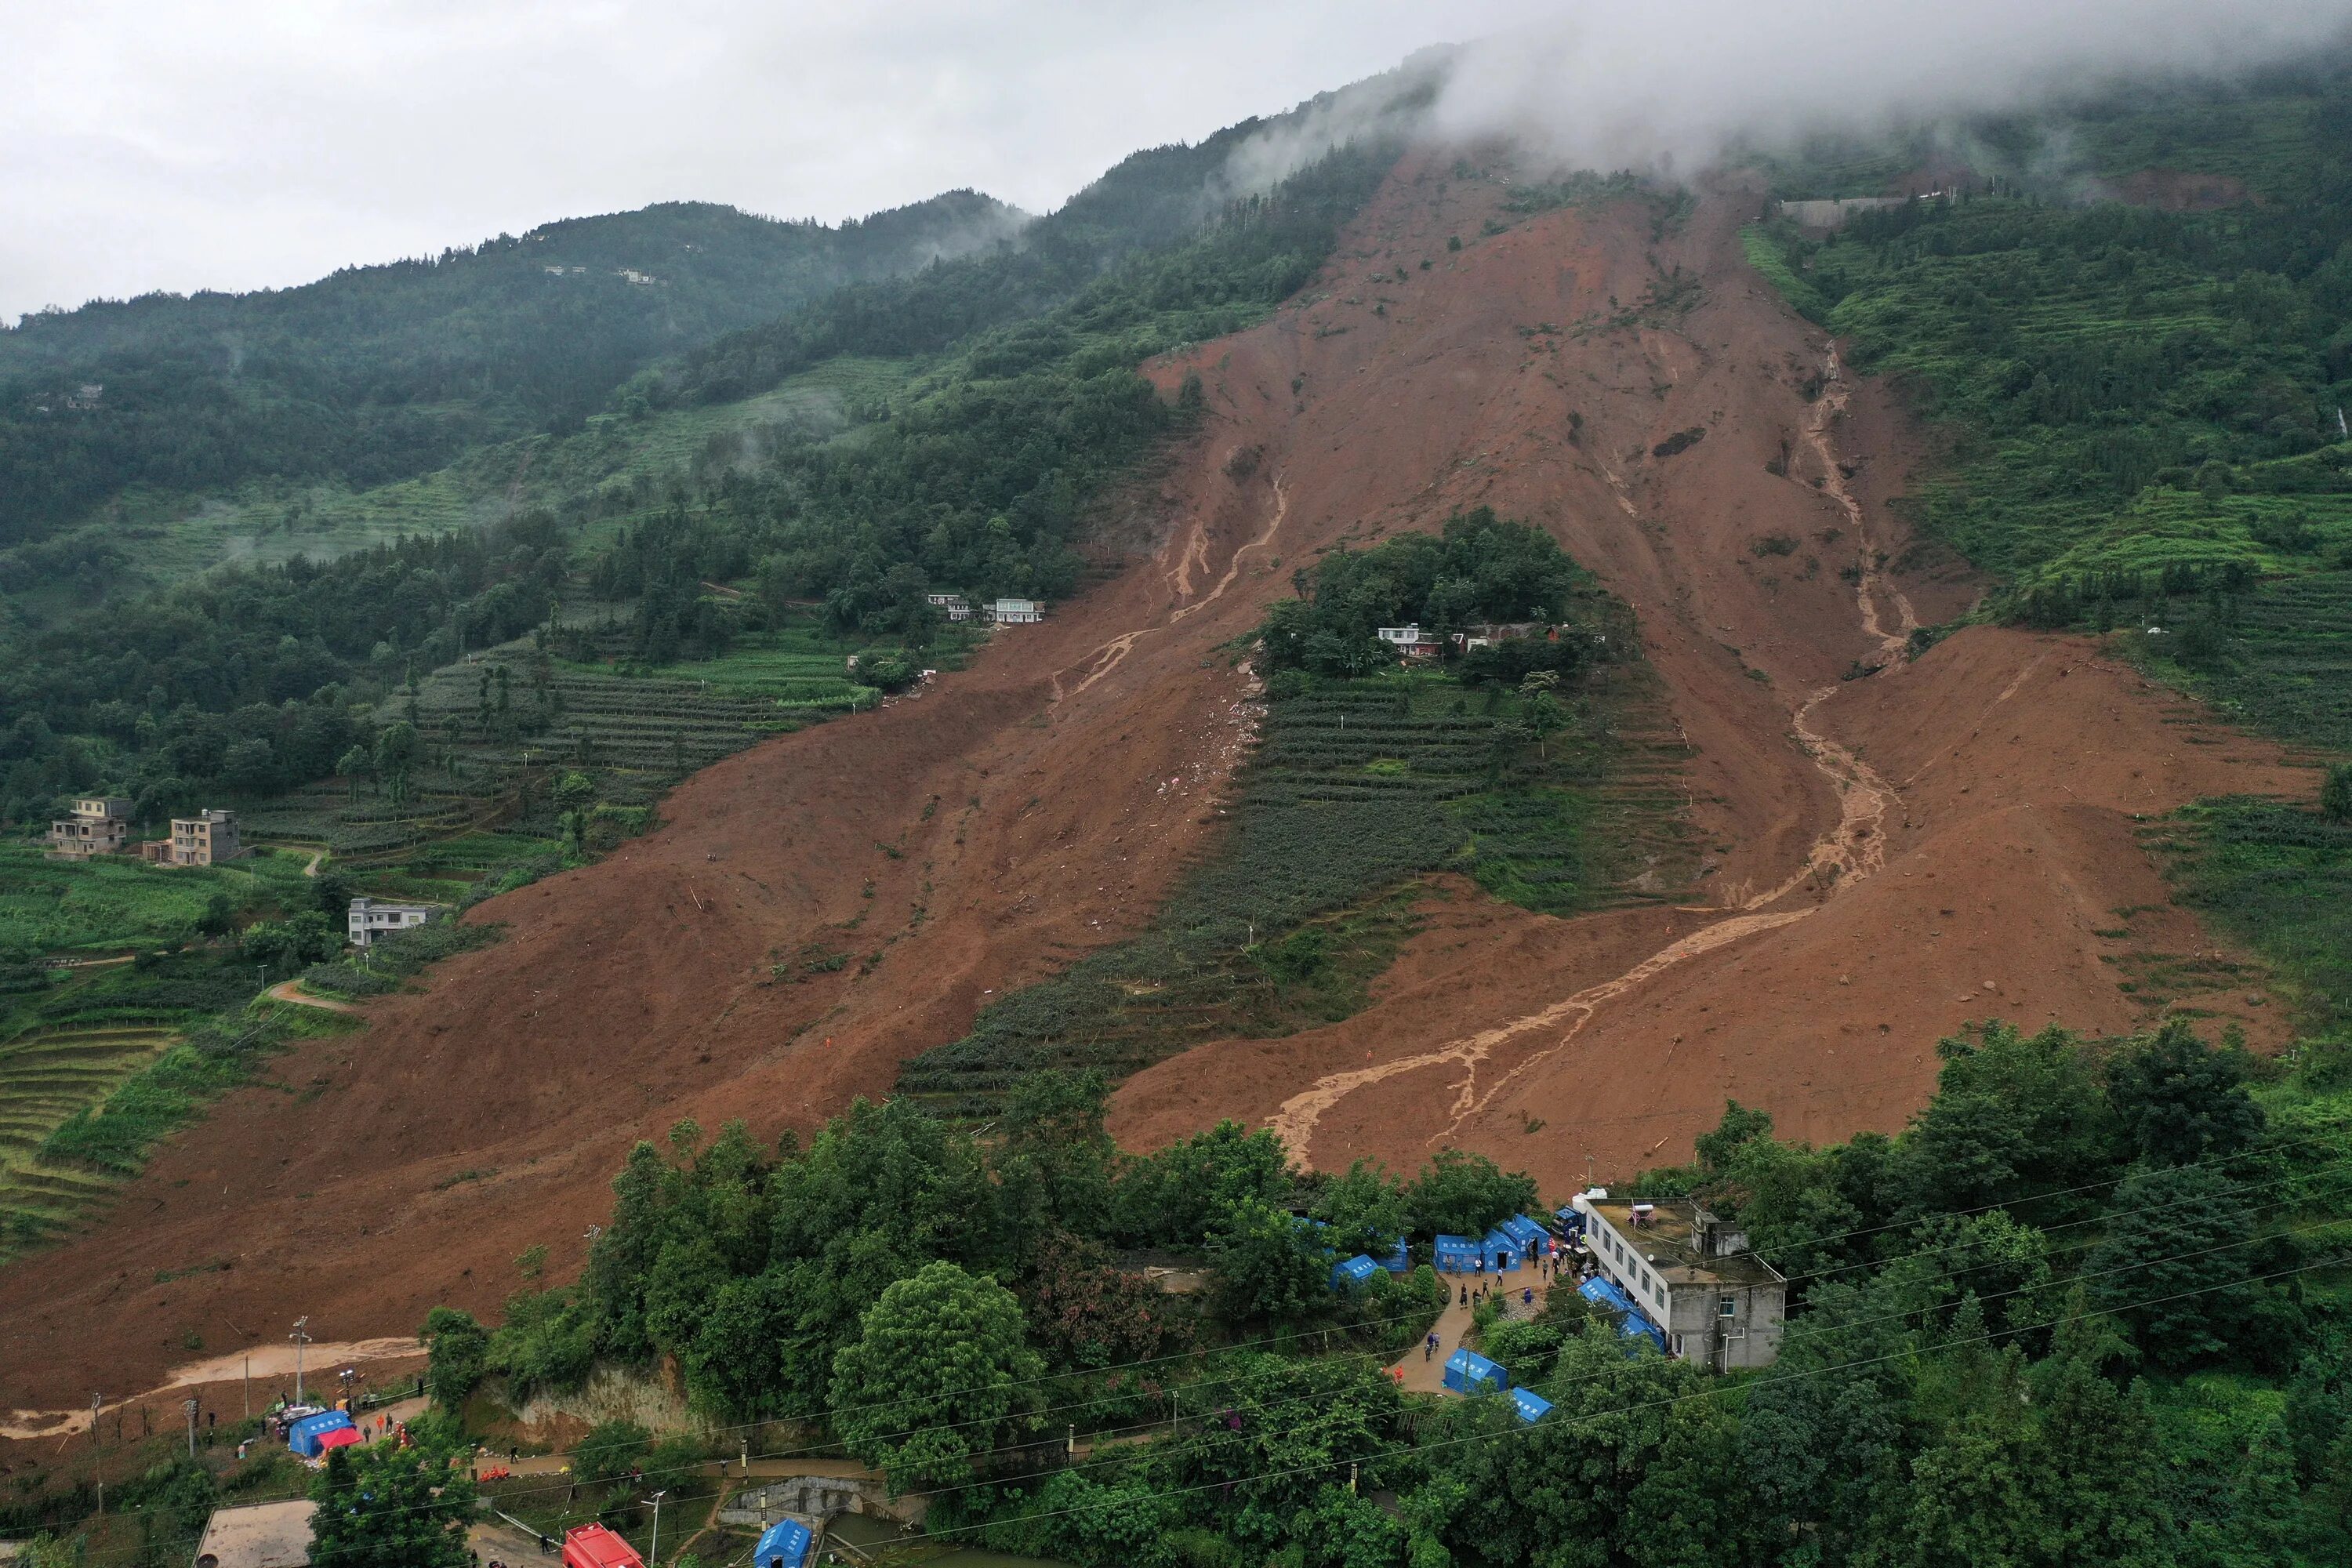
(1878, 849)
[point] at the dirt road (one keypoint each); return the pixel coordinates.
(291, 991)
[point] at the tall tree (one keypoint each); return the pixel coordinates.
(936, 1374)
(389, 1507)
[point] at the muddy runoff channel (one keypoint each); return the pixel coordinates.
(1849, 853)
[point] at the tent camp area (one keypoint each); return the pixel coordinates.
(262, 1535)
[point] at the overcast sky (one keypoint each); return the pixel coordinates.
(237, 143)
(181, 145)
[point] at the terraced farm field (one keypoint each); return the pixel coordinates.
(497, 726)
(2281, 664)
(45, 1076)
(1355, 791)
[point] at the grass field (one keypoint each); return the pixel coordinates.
(1355, 791)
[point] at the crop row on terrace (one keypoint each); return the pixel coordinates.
(496, 727)
(2278, 878)
(2278, 659)
(1354, 792)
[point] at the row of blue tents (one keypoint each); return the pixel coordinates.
(1502, 1250)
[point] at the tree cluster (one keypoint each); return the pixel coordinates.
(1480, 569)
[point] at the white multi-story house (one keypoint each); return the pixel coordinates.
(1016, 612)
(372, 918)
(1692, 1274)
(1408, 641)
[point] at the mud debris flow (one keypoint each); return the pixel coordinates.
(958, 844)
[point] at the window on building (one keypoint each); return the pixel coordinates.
(1727, 1306)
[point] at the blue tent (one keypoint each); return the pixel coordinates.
(1533, 1239)
(1401, 1261)
(784, 1545)
(1467, 1371)
(1353, 1273)
(1455, 1254)
(1571, 1222)
(1602, 1293)
(1502, 1253)
(1632, 1321)
(1532, 1405)
(304, 1435)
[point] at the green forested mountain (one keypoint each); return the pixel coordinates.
(380, 371)
(1025, 399)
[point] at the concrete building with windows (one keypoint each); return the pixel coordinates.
(372, 918)
(1410, 642)
(955, 606)
(1016, 612)
(1690, 1273)
(206, 839)
(100, 824)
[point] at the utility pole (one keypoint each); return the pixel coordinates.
(191, 1428)
(656, 1553)
(249, 1385)
(97, 1401)
(299, 1338)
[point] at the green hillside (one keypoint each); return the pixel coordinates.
(2142, 409)
(379, 373)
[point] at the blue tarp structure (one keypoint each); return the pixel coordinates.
(1533, 1240)
(1572, 1223)
(1501, 1252)
(304, 1435)
(1467, 1371)
(1530, 1405)
(1352, 1273)
(1399, 1261)
(1455, 1254)
(784, 1544)
(1631, 1319)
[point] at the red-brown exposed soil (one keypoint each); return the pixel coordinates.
(972, 838)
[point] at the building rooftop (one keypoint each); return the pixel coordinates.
(1670, 1236)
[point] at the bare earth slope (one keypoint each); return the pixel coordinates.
(1881, 847)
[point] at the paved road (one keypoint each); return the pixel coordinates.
(1420, 1376)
